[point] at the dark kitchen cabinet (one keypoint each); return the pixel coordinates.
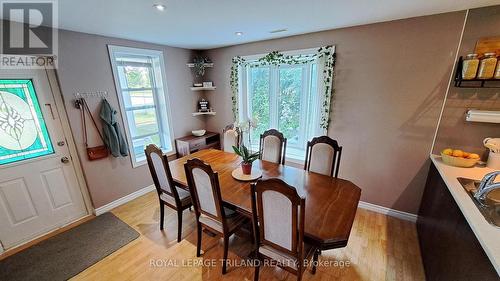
(450, 250)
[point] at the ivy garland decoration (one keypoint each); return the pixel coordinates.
(277, 58)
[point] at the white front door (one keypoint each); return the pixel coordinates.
(39, 191)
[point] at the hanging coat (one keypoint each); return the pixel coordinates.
(113, 137)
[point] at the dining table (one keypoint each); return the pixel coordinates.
(331, 203)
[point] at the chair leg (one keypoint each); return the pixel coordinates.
(315, 260)
(226, 246)
(256, 274)
(299, 272)
(179, 225)
(198, 244)
(162, 214)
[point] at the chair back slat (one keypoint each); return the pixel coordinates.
(273, 146)
(231, 137)
(278, 216)
(204, 190)
(204, 186)
(323, 156)
(160, 170)
(277, 212)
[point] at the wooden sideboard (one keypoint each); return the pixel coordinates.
(190, 144)
(450, 250)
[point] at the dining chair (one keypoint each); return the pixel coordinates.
(210, 213)
(323, 156)
(168, 194)
(278, 221)
(272, 146)
(231, 136)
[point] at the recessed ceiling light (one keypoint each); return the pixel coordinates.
(278, 30)
(159, 7)
(238, 33)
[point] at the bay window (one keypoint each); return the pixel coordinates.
(284, 97)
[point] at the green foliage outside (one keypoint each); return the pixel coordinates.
(260, 101)
(289, 102)
(289, 107)
(137, 77)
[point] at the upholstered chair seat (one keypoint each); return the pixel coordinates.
(284, 258)
(233, 221)
(184, 197)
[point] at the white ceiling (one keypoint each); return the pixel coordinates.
(205, 24)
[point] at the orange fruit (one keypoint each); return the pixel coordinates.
(473, 156)
(458, 153)
(447, 151)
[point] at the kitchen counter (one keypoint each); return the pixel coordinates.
(487, 234)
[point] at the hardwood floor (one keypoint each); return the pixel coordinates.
(380, 248)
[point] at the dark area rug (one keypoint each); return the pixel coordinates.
(69, 253)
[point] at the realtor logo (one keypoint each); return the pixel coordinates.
(29, 34)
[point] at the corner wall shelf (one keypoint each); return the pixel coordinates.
(203, 88)
(204, 113)
(198, 65)
(473, 83)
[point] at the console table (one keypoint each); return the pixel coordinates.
(190, 144)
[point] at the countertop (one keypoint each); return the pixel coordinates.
(487, 234)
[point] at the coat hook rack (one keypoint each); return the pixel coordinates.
(83, 95)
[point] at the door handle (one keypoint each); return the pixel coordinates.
(65, 160)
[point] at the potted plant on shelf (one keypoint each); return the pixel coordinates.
(247, 157)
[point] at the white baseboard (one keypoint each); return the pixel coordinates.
(364, 205)
(387, 211)
(108, 207)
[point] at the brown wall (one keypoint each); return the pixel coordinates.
(390, 83)
(84, 66)
(454, 131)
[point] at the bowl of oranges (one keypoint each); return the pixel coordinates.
(459, 158)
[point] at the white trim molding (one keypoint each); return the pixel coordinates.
(161, 105)
(108, 207)
(63, 118)
(387, 211)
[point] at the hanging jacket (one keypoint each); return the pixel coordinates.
(113, 137)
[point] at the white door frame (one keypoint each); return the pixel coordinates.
(61, 110)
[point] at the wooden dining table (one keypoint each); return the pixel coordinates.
(331, 203)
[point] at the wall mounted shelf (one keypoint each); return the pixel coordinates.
(207, 64)
(204, 113)
(473, 83)
(199, 72)
(203, 88)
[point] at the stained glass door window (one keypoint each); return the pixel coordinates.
(23, 133)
